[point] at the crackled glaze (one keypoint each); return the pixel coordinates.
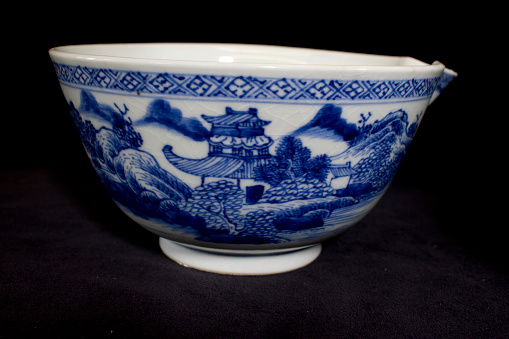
(249, 158)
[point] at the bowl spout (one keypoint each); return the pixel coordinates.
(447, 76)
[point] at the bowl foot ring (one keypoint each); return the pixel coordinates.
(238, 263)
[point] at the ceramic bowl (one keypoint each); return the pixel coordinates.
(243, 158)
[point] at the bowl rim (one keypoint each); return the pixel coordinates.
(76, 54)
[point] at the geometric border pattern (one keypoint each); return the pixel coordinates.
(245, 87)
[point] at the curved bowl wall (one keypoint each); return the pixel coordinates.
(245, 155)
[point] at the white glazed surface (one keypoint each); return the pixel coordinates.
(238, 59)
(226, 263)
(234, 53)
(345, 110)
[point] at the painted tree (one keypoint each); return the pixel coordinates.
(125, 131)
(293, 160)
(219, 203)
(294, 174)
(86, 130)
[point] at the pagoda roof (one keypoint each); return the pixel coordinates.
(255, 142)
(215, 166)
(342, 170)
(237, 118)
(218, 167)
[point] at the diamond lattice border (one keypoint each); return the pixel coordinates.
(245, 87)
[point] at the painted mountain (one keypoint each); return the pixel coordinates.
(299, 198)
(377, 150)
(392, 128)
(373, 148)
(329, 124)
(132, 176)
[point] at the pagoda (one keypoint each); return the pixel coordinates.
(237, 146)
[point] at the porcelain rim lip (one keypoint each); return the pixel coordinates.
(92, 58)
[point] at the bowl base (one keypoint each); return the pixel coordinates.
(238, 262)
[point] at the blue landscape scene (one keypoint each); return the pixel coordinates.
(254, 189)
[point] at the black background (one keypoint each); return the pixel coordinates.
(429, 261)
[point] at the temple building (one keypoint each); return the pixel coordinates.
(341, 175)
(237, 146)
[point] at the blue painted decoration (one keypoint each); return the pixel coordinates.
(237, 147)
(160, 112)
(256, 89)
(289, 191)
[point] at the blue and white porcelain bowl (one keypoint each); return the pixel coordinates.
(243, 158)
